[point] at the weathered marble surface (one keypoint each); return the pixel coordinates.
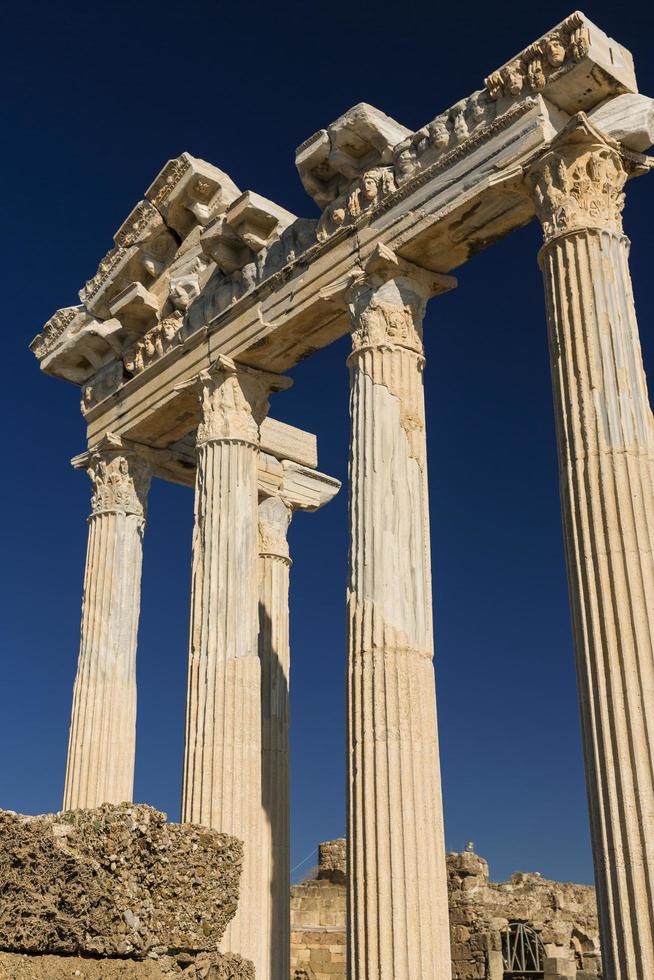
(222, 762)
(605, 433)
(397, 884)
(102, 741)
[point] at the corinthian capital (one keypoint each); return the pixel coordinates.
(578, 183)
(387, 301)
(234, 400)
(120, 476)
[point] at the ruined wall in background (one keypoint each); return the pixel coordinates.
(564, 916)
(318, 918)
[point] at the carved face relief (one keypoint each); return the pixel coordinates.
(555, 51)
(370, 186)
(439, 134)
(514, 81)
(406, 157)
(476, 111)
(405, 161)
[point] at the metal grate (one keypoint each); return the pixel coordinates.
(523, 952)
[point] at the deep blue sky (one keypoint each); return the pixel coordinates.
(99, 96)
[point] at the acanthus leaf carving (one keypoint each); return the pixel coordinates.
(121, 480)
(579, 183)
(381, 324)
(233, 401)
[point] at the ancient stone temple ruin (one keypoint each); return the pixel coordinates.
(207, 297)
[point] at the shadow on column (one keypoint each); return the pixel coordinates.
(275, 791)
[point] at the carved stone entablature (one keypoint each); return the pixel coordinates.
(364, 195)
(107, 381)
(446, 138)
(144, 246)
(579, 182)
(574, 45)
(274, 518)
(285, 487)
(156, 342)
(449, 130)
(140, 224)
(358, 168)
(74, 345)
(575, 66)
(221, 244)
(529, 72)
(136, 308)
(120, 476)
(359, 140)
(233, 400)
(255, 219)
(189, 192)
(47, 340)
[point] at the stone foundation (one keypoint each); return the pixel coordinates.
(210, 966)
(563, 916)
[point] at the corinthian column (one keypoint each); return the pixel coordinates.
(274, 652)
(606, 450)
(397, 893)
(284, 487)
(222, 764)
(101, 747)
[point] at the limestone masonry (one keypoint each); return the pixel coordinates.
(179, 343)
(490, 924)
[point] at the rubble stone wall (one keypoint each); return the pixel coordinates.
(120, 889)
(564, 916)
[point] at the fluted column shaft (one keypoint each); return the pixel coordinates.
(397, 889)
(222, 765)
(605, 436)
(274, 653)
(101, 748)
